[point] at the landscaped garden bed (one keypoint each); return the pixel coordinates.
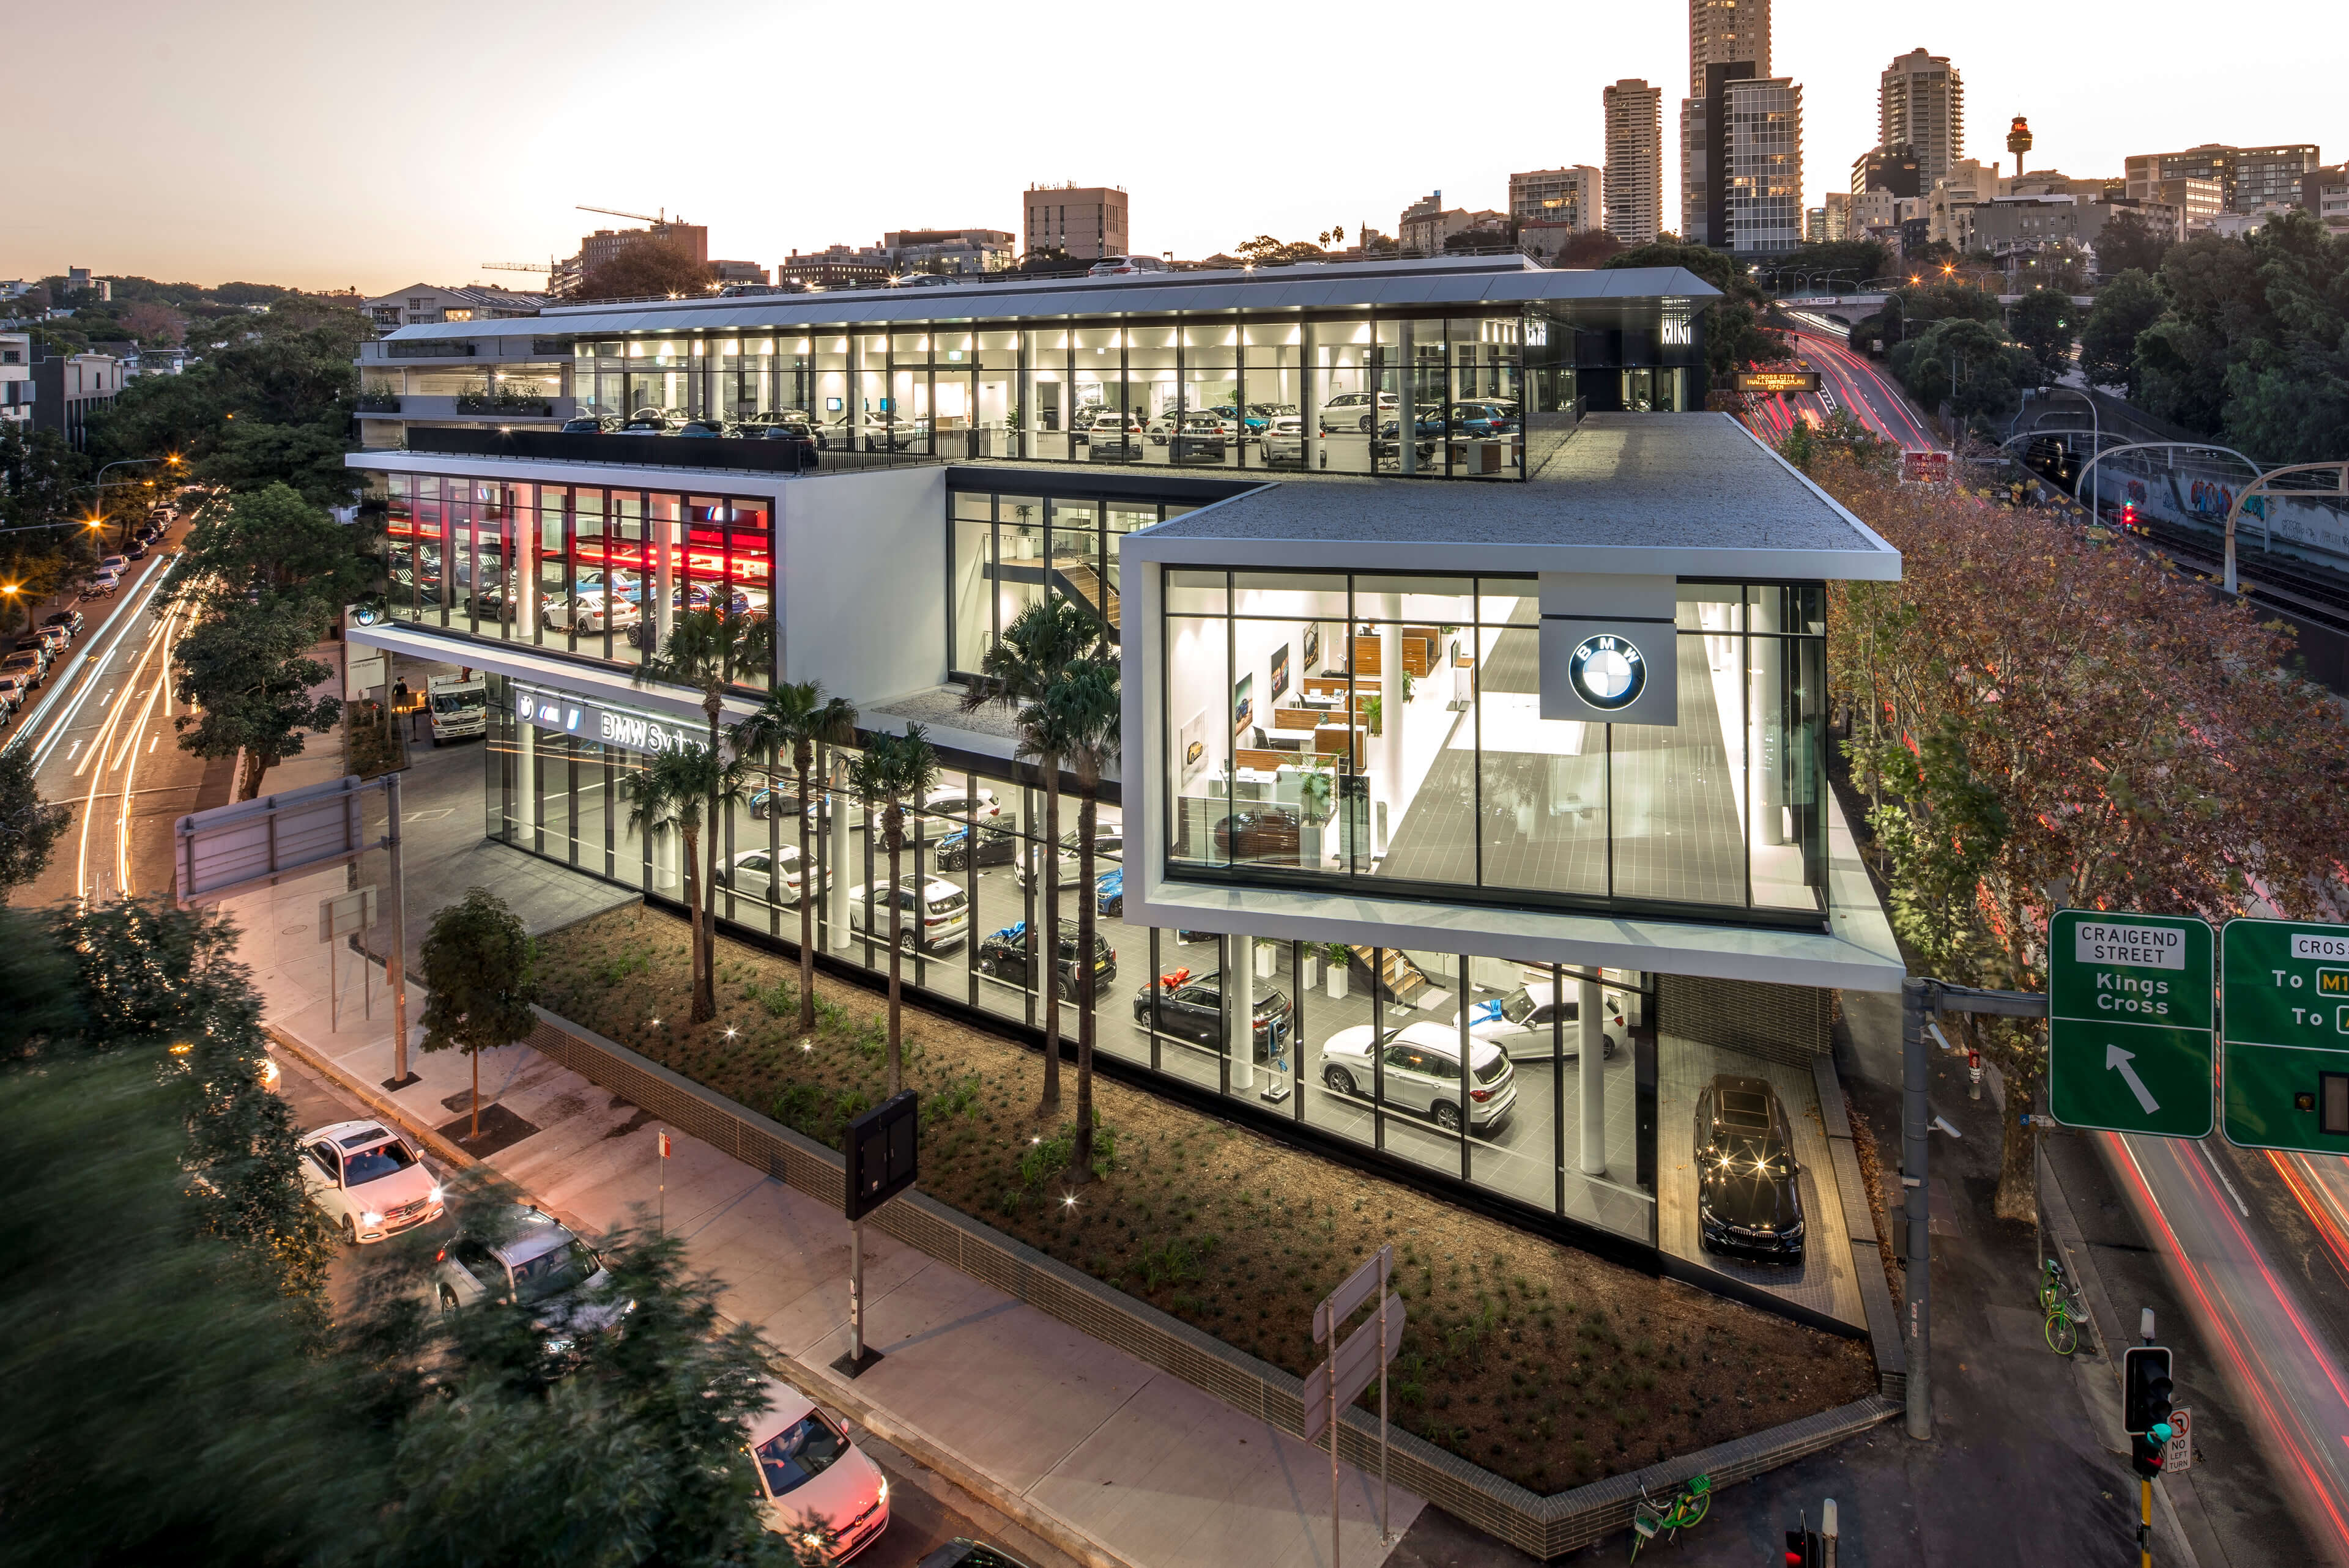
(1538, 1362)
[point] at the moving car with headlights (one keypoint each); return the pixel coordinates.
(538, 1264)
(773, 874)
(1749, 1203)
(822, 1495)
(1003, 955)
(936, 913)
(366, 1181)
(1418, 1070)
(1191, 1008)
(1524, 1022)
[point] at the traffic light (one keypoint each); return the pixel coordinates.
(2146, 1390)
(2128, 515)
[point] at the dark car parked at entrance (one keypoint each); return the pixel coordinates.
(1004, 957)
(1191, 1008)
(1749, 1202)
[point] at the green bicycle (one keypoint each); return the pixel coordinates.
(1650, 1517)
(2063, 1314)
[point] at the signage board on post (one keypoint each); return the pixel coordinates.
(2286, 985)
(2130, 1041)
(884, 1153)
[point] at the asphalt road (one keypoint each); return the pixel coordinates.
(926, 1510)
(100, 734)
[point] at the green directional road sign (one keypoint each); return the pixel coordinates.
(2286, 987)
(2129, 1037)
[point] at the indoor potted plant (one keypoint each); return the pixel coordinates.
(1338, 953)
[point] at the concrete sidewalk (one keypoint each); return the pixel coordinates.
(1109, 1459)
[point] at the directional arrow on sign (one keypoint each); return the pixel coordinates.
(2117, 1060)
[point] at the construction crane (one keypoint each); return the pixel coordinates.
(545, 266)
(659, 218)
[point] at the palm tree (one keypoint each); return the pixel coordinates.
(1024, 662)
(672, 792)
(801, 718)
(706, 649)
(893, 767)
(1084, 711)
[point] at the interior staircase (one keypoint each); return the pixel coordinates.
(1403, 981)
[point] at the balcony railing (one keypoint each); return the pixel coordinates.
(379, 403)
(504, 403)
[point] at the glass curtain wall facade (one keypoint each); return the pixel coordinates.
(1236, 395)
(1010, 551)
(1383, 734)
(578, 568)
(1168, 1002)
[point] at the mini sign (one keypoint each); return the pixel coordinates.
(2286, 989)
(2130, 1036)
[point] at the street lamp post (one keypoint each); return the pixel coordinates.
(98, 484)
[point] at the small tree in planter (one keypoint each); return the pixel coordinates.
(1338, 953)
(481, 970)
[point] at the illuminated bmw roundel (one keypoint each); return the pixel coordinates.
(1607, 672)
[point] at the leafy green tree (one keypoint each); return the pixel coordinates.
(2044, 322)
(709, 650)
(1967, 364)
(30, 827)
(1086, 714)
(2127, 242)
(245, 668)
(1733, 332)
(273, 539)
(638, 271)
(894, 769)
(480, 969)
(1015, 673)
(165, 1404)
(2124, 308)
(799, 718)
(1920, 308)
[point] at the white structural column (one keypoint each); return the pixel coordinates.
(1592, 1074)
(521, 595)
(843, 875)
(525, 802)
(1765, 677)
(1386, 747)
(1241, 1035)
(668, 536)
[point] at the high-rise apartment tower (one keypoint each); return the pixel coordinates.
(1634, 185)
(1921, 103)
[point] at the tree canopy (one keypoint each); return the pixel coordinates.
(1733, 332)
(648, 267)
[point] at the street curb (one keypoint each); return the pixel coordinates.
(1018, 1507)
(1884, 1327)
(373, 1099)
(2073, 1242)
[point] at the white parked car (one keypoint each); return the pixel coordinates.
(939, 916)
(1284, 440)
(1522, 1022)
(1108, 853)
(822, 1494)
(367, 1180)
(753, 874)
(1352, 411)
(117, 564)
(591, 609)
(1419, 1071)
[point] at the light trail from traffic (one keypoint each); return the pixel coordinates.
(2278, 1363)
(1863, 389)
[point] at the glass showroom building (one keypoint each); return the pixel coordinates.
(1513, 760)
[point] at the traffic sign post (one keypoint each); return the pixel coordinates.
(2286, 985)
(2131, 1042)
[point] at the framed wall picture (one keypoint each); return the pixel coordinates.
(1279, 673)
(1244, 704)
(1312, 647)
(1192, 740)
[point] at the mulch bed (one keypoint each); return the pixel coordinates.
(1538, 1362)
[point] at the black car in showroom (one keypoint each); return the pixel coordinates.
(994, 846)
(1749, 1203)
(1190, 1008)
(1004, 957)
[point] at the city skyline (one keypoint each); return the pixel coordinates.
(383, 161)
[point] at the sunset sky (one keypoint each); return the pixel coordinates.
(327, 146)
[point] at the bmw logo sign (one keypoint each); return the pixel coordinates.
(1607, 672)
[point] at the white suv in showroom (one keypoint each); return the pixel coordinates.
(1352, 411)
(367, 1180)
(939, 917)
(1420, 1072)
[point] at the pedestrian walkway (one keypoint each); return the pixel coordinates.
(1112, 1459)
